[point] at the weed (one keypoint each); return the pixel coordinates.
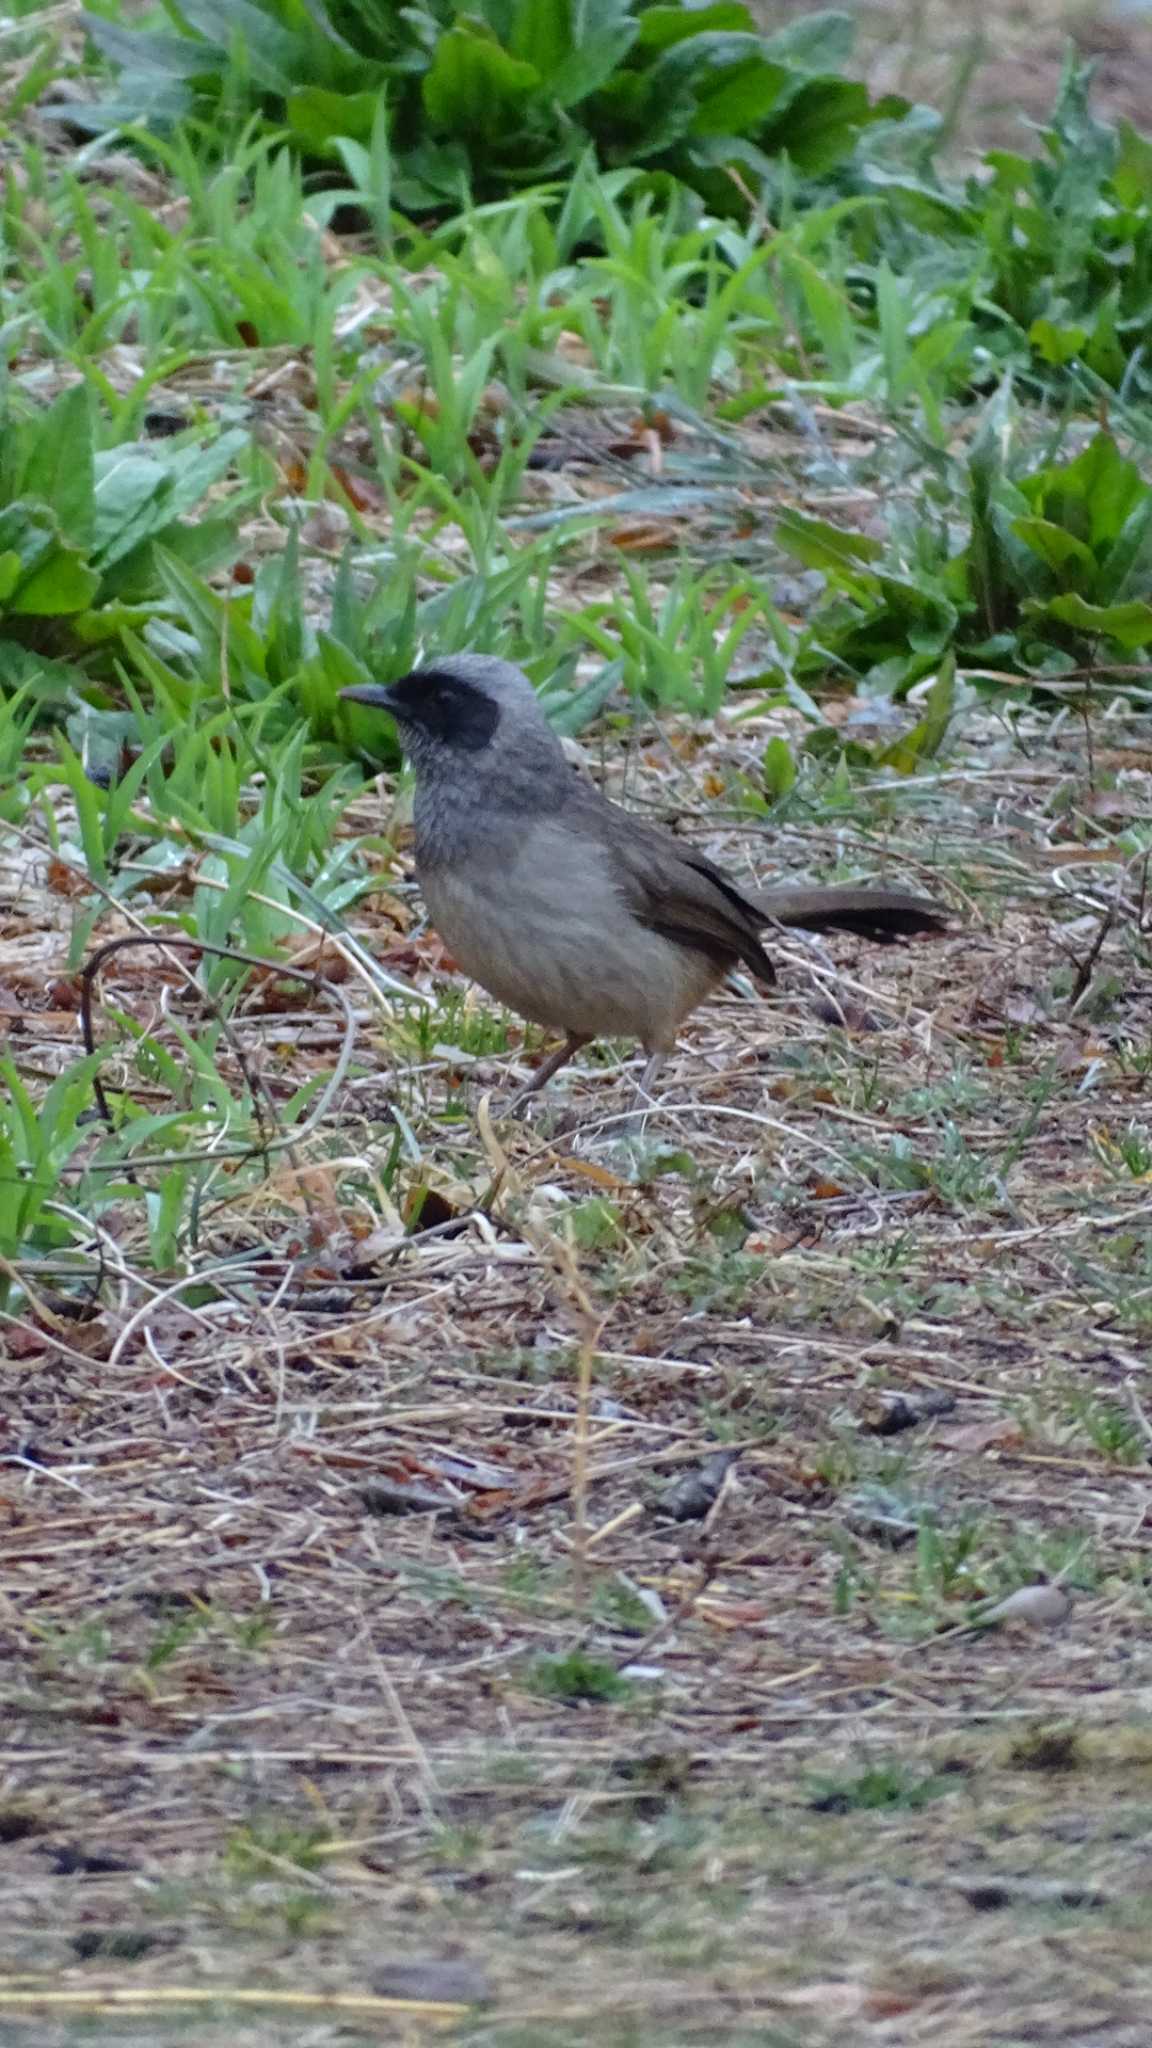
(270, 1840)
(874, 1788)
(578, 1675)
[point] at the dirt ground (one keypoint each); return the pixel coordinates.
(1001, 65)
(322, 1688)
(365, 1679)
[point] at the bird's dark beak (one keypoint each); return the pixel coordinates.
(374, 694)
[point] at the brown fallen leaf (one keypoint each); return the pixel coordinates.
(590, 1169)
(979, 1436)
(645, 537)
(733, 1614)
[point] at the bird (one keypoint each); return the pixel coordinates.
(569, 910)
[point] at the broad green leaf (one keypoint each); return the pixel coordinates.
(940, 213)
(475, 88)
(59, 585)
(29, 532)
(45, 680)
(317, 116)
(814, 42)
(1132, 176)
(924, 618)
(1130, 625)
(1055, 344)
(135, 50)
(1126, 566)
(1107, 353)
(637, 117)
(138, 496)
(194, 469)
(432, 173)
(989, 576)
(660, 27)
(277, 608)
(10, 571)
(820, 545)
(221, 627)
(134, 578)
(740, 98)
(699, 63)
(570, 714)
(819, 125)
(59, 468)
(540, 34)
(131, 500)
(1092, 496)
(779, 768)
(275, 56)
(827, 307)
(1059, 549)
(928, 735)
(148, 99)
(339, 665)
(601, 34)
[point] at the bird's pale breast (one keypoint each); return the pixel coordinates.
(549, 934)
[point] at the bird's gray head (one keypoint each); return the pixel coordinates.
(459, 703)
(481, 746)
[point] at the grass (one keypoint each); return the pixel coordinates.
(355, 1678)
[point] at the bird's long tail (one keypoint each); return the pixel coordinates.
(879, 914)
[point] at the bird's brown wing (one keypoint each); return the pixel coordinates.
(673, 889)
(670, 888)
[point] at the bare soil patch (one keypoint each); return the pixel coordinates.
(1000, 66)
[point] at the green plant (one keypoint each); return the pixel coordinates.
(176, 1633)
(578, 1675)
(1109, 1426)
(269, 1840)
(1126, 1152)
(874, 1787)
(82, 527)
(620, 1603)
(1067, 242)
(1040, 264)
(506, 92)
(1051, 577)
(38, 1142)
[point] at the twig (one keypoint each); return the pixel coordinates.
(560, 1256)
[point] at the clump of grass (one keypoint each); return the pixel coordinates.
(1048, 1748)
(876, 1787)
(576, 1676)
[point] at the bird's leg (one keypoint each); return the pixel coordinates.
(573, 1044)
(649, 1076)
(635, 1123)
